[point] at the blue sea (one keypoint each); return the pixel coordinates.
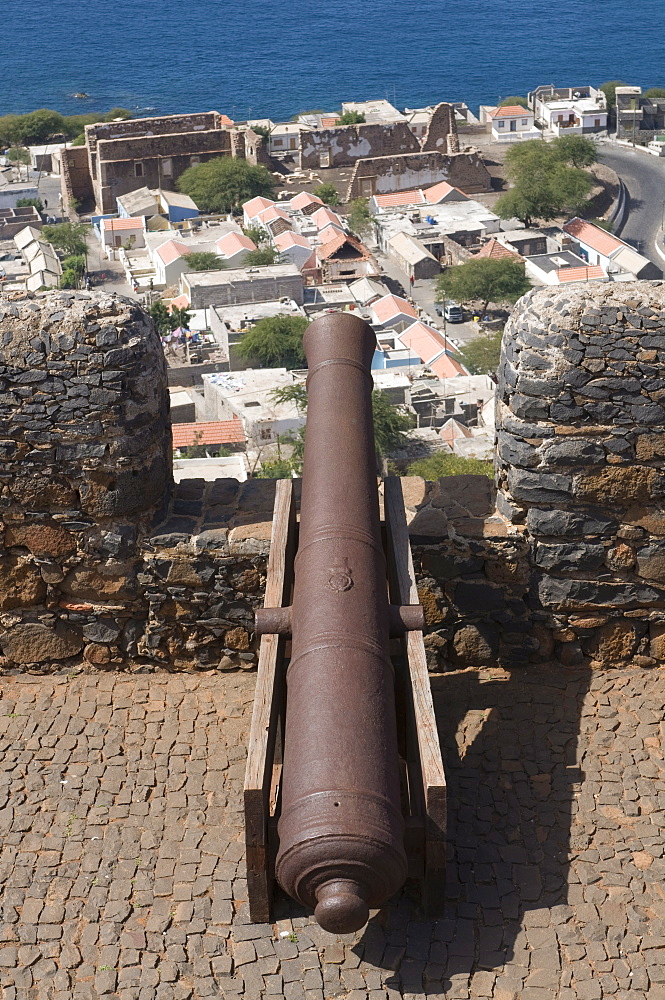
(266, 58)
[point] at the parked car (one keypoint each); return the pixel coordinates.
(451, 311)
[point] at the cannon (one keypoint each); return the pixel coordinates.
(328, 819)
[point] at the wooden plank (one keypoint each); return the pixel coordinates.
(267, 704)
(429, 749)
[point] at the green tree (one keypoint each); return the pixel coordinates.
(205, 260)
(75, 263)
(360, 220)
(73, 269)
(69, 278)
(654, 92)
(277, 468)
(223, 184)
(39, 126)
(161, 317)
(390, 422)
(575, 150)
(179, 317)
(509, 102)
(485, 280)
(18, 155)
(327, 193)
(27, 202)
(603, 224)
(543, 184)
(275, 342)
(261, 257)
(68, 236)
(442, 464)
(10, 130)
(257, 234)
(352, 118)
(261, 130)
(481, 356)
(609, 89)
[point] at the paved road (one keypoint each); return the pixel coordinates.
(121, 847)
(424, 295)
(644, 176)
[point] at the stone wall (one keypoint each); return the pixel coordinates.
(345, 144)
(85, 467)
(115, 171)
(413, 170)
(441, 135)
(103, 562)
(75, 180)
(581, 463)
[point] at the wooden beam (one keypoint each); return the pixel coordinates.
(268, 697)
(420, 702)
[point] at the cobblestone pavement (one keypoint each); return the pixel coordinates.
(122, 862)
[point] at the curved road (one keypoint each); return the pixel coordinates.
(644, 176)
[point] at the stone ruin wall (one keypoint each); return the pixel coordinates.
(466, 171)
(105, 563)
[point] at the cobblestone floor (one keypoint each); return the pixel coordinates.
(122, 863)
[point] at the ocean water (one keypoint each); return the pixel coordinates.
(269, 58)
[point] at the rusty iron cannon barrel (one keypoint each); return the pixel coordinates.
(341, 829)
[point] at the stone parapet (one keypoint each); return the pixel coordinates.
(580, 463)
(105, 563)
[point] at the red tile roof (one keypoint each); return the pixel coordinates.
(212, 432)
(331, 247)
(424, 340)
(225, 120)
(329, 233)
(271, 213)
(303, 199)
(509, 111)
(113, 225)
(323, 217)
(232, 243)
(497, 251)
(290, 239)
(436, 192)
(256, 205)
(453, 430)
(595, 237)
(592, 273)
(392, 305)
(398, 198)
(431, 347)
(171, 250)
(446, 367)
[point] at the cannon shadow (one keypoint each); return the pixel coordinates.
(509, 742)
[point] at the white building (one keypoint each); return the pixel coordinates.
(513, 124)
(376, 112)
(248, 395)
(569, 110)
(233, 248)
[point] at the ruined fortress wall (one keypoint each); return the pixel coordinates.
(75, 180)
(164, 125)
(104, 562)
(414, 170)
(348, 143)
(441, 132)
